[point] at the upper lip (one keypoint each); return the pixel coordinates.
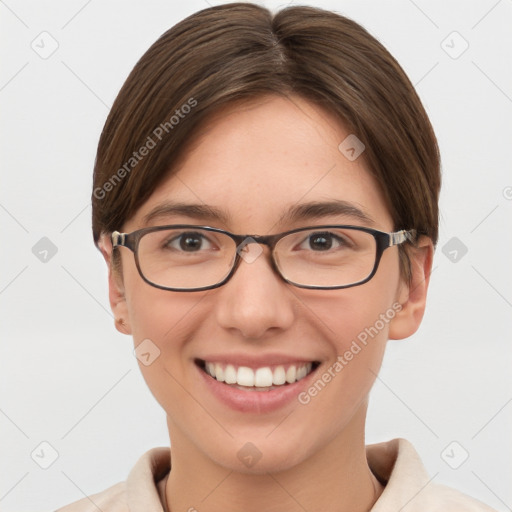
(255, 361)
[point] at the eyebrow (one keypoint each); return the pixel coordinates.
(195, 211)
(299, 212)
(319, 209)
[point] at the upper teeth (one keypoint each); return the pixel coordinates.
(260, 377)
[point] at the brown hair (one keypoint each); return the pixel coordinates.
(241, 51)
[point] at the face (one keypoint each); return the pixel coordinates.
(254, 162)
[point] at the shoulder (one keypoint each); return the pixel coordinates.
(441, 498)
(112, 499)
(139, 493)
(408, 487)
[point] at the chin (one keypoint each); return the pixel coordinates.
(260, 455)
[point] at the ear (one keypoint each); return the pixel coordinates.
(115, 288)
(412, 296)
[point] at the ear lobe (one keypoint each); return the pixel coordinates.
(412, 296)
(116, 294)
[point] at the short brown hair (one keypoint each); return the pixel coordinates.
(240, 51)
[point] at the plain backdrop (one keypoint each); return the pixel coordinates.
(70, 381)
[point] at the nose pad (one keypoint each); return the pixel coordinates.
(249, 250)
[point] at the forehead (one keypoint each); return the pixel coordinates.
(253, 162)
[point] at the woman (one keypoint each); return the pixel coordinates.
(265, 197)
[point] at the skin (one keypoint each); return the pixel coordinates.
(313, 456)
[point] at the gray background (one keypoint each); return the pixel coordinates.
(70, 380)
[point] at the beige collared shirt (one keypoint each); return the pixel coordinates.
(408, 488)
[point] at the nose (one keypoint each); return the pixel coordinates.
(255, 301)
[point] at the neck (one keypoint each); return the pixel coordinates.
(336, 478)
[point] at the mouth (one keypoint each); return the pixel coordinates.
(263, 378)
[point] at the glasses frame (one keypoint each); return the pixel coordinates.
(383, 241)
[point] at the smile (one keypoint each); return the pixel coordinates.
(264, 378)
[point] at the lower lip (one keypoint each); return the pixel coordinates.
(255, 401)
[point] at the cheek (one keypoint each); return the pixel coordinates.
(166, 320)
(356, 323)
(358, 315)
(158, 345)
(356, 327)
(159, 314)
(161, 328)
(155, 314)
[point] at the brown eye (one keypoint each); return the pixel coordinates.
(322, 241)
(189, 242)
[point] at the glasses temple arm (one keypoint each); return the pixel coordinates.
(401, 236)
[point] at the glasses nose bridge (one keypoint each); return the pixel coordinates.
(268, 240)
(242, 241)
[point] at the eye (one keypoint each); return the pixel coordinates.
(322, 241)
(189, 241)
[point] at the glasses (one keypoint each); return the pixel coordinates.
(193, 258)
